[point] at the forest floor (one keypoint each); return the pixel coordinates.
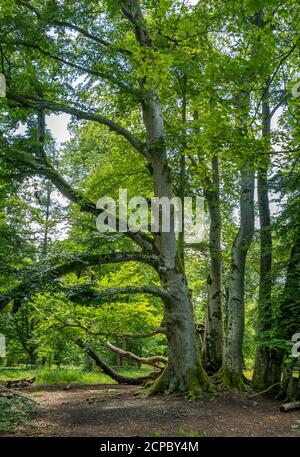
(113, 410)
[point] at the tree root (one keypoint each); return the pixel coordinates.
(193, 384)
(229, 380)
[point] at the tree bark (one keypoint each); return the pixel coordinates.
(184, 372)
(290, 407)
(109, 371)
(264, 374)
(288, 324)
(233, 347)
(213, 336)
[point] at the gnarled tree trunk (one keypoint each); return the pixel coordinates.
(184, 372)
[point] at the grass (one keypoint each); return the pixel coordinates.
(14, 412)
(190, 433)
(248, 374)
(65, 375)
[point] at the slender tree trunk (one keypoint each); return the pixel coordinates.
(263, 375)
(182, 172)
(213, 337)
(184, 372)
(47, 218)
(233, 347)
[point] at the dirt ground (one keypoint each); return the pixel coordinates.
(112, 410)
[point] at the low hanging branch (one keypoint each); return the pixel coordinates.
(38, 104)
(152, 361)
(38, 281)
(111, 372)
(85, 292)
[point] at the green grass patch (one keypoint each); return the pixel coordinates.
(248, 374)
(65, 375)
(14, 412)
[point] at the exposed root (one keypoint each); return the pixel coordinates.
(193, 384)
(229, 379)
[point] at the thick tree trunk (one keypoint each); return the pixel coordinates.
(264, 375)
(232, 370)
(184, 372)
(213, 338)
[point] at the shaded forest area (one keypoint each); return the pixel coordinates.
(164, 99)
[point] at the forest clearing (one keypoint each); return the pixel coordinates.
(149, 218)
(122, 411)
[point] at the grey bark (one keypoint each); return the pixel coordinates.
(233, 347)
(263, 375)
(184, 372)
(214, 327)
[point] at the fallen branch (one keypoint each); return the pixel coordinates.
(25, 382)
(264, 391)
(290, 407)
(7, 391)
(110, 371)
(152, 361)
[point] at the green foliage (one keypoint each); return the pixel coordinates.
(15, 412)
(66, 375)
(199, 60)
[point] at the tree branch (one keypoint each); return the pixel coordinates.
(37, 103)
(78, 29)
(40, 278)
(107, 293)
(109, 371)
(90, 71)
(152, 361)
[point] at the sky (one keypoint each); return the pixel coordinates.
(58, 125)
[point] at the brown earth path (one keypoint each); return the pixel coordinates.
(113, 410)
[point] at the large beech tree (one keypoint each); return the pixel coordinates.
(184, 371)
(183, 87)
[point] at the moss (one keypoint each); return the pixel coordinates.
(160, 384)
(229, 379)
(232, 380)
(195, 384)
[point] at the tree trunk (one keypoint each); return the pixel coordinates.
(289, 324)
(33, 357)
(213, 337)
(184, 372)
(233, 347)
(264, 374)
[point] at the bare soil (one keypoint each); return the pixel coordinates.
(113, 410)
